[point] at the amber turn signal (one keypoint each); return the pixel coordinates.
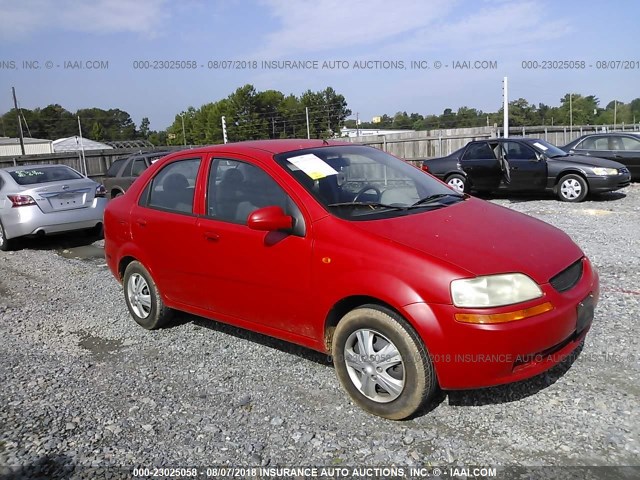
(504, 317)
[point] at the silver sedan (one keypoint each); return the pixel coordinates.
(45, 199)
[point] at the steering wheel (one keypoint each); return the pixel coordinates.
(366, 188)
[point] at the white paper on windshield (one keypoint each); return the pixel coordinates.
(540, 146)
(313, 166)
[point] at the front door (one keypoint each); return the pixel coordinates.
(527, 170)
(481, 165)
(256, 276)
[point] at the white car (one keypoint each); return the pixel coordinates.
(47, 199)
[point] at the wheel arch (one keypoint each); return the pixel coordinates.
(347, 304)
(569, 171)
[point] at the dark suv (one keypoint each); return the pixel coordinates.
(124, 171)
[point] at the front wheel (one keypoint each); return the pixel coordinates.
(382, 363)
(143, 298)
(572, 188)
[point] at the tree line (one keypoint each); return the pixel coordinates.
(574, 109)
(251, 114)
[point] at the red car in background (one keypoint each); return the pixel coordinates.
(347, 250)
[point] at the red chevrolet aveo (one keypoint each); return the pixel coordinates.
(345, 249)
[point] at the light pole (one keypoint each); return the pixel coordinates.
(184, 137)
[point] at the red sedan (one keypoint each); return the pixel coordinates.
(347, 250)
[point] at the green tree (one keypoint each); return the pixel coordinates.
(144, 127)
(97, 132)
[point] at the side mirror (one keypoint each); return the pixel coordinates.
(539, 157)
(269, 219)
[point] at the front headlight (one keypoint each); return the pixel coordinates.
(605, 171)
(493, 290)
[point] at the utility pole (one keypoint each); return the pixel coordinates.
(184, 136)
(224, 130)
(505, 107)
(570, 113)
(357, 124)
(615, 113)
(15, 104)
(306, 109)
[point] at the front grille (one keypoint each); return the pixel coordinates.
(567, 278)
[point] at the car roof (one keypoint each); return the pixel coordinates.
(270, 146)
(610, 134)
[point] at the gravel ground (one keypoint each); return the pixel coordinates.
(84, 388)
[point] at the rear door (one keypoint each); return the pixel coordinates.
(163, 224)
(480, 163)
(630, 156)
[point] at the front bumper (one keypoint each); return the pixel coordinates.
(30, 220)
(609, 183)
(474, 356)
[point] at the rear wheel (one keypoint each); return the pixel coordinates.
(382, 363)
(5, 243)
(572, 188)
(143, 298)
(457, 182)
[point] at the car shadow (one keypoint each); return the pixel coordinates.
(516, 197)
(464, 398)
(46, 467)
(200, 322)
(58, 241)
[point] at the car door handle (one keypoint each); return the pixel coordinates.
(211, 236)
(141, 222)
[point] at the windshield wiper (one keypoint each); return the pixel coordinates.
(434, 198)
(372, 205)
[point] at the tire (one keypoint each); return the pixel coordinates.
(5, 243)
(96, 232)
(143, 298)
(572, 188)
(458, 183)
(393, 388)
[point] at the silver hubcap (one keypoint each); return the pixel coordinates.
(375, 365)
(571, 189)
(1, 237)
(456, 184)
(139, 295)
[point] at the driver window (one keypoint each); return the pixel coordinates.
(236, 189)
(518, 151)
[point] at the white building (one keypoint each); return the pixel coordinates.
(366, 132)
(75, 144)
(10, 147)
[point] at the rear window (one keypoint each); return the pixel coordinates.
(30, 176)
(115, 167)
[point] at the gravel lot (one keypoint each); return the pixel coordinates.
(84, 388)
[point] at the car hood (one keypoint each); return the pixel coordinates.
(483, 239)
(588, 160)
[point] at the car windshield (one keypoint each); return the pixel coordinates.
(548, 149)
(30, 176)
(358, 182)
